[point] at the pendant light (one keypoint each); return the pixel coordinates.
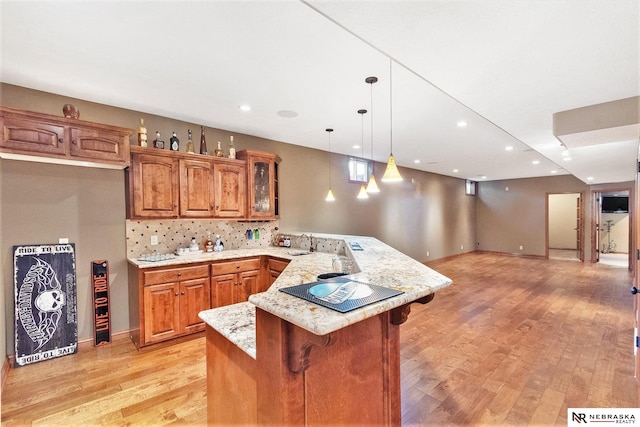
(363, 190)
(330, 197)
(372, 186)
(391, 174)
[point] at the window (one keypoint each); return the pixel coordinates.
(470, 187)
(359, 169)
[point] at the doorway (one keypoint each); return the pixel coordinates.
(612, 237)
(564, 226)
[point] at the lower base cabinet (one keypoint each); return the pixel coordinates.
(168, 302)
(164, 302)
(234, 281)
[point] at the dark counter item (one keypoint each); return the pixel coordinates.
(325, 276)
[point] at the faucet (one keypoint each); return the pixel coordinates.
(311, 248)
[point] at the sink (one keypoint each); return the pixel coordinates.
(298, 253)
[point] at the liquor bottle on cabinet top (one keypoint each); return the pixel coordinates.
(232, 148)
(190, 148)
(142, 134)
(218, 151)
(158, 143)
(174, 143)
(203, 142)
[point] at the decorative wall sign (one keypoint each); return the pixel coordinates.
(46, 315)
(102, 319)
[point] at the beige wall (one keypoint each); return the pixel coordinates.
(508, 219)
(42, 202)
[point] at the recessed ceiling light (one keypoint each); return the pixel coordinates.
(456, 171)
(416, 161)
(462, 124)
(483, 177)
(535, 162)
(245, 107)
(355, 147)
(590, 178)
(287, 114)
(566, 159)
(508, 148)
(554, 171)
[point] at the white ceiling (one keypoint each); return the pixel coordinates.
(503, 66)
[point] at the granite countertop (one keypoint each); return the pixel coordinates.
(377, 263)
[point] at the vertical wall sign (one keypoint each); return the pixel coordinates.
(102, 321)
(46, 315)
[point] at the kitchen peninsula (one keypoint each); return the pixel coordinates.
(280, 360)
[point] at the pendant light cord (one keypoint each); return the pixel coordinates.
(390, 106)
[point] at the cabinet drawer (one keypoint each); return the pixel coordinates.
(277, 264)
(175, 274)
(235, 266)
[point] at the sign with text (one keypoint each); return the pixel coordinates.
(102, 319)
(46, 315)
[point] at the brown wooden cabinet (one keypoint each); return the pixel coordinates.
(48, 138)
(167, 301)
(262, 186)
(275, 267)
(230, 190)
(196, 188)
(153, 186)
(233, 281)
(164, 184)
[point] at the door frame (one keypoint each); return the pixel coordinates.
(595, 225)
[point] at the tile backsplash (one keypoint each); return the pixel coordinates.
(175, 233)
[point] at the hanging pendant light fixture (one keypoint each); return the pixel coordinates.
(363, 190)
(329, 197)
(372, 186)
(391, 174)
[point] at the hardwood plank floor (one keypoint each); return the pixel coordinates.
(515, 341)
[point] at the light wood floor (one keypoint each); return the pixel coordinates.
(514, 341)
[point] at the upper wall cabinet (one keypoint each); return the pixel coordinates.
(262, 174)
(51, 139)
(166, 184)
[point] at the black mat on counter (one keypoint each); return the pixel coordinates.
(333, 299)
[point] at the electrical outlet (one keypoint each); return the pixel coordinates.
(521, 247)
(427, 253)
(63, 240)
(461, 246)
(154, 240)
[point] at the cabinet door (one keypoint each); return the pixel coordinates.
(161, 312)
(222, 289)
(196, 188)
(32, 136)
(194, 298)
(230, 195)
(261, 199)
(248, 282)
(155, 186)
(99, 145)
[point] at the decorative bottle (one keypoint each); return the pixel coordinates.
(203, 142)
(190, 148)
(158, 143)
(142, 134)
(232, 148)
(218, 151)
(174, 142)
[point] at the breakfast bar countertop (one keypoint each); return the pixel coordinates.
(377, 264)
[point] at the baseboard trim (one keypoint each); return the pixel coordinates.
(512, 254)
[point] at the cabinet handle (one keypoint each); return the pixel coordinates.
(60, 140)
(176, 294)
(182, 293)
(74, 142)
(237, 266)
(179, 274)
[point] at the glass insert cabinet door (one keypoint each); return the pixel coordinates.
(261, 184)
